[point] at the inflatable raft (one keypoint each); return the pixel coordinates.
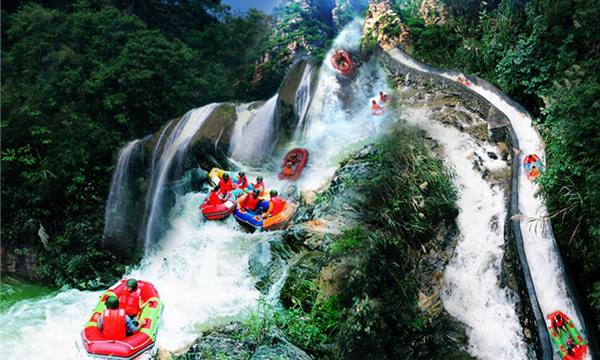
(220, 211)
(343, 64)
(298, 157)
(133, 346)
(567, 338)
(255, 220)
(533, 166)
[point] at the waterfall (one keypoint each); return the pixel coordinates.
(167, 162)
(303, 97)
(472, 276)
(254, 138)
(121, 199)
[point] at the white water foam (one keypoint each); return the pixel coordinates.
(339, 115)
(543, 257)
(473, 294)
(171, 156)
(254, 139)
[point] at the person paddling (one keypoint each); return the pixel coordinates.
(215, 197)
(276, 205)
(226, 184)
(251, 201)
(114, 323)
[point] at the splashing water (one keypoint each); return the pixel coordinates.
(254, 139)
(472, 276)
(201, 268)
(303, 97)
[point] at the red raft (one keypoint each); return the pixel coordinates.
(220, 211)
(131, 347)
(341, 62)
(293, 164)
(566, 337)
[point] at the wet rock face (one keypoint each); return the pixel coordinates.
(233, 342)
(286, 120)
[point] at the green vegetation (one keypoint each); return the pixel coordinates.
(13, 290)
(370, 311)
(79, 81)
(545, 55)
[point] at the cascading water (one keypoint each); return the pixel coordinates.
(339, 115)
(201, 268)
(170, 161)
(303, 97)
(472, 276)
(253, 139)
(543, 256)
(119, 204)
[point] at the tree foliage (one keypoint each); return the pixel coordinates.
(79, 81)
(546, 55)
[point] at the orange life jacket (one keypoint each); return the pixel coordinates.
(226, 186)
(113, 324)
(375, 107)
(250, 202)
(242, 182)
(277, 205)
(287, 171)
(130, 301)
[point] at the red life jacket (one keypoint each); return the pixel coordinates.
(130, 301)
(250, 202)
(260, 186)
(375, 107)
(278, 205)
(113, 324)
(287, 171)
(242, 182)
(558, 323)
(214, 199)
(226, 186)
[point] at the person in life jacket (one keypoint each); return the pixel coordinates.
(215, 197)
(114, 324)
(375, 108)
(131, 299)
(276, 205)
(287, 169)
(242, 180)
(382, 97)
(259, 184)
(226, 184)
(251, 201)
(558, 322)
(533, 173)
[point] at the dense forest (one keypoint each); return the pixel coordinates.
(546, 55)
(81, 79)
